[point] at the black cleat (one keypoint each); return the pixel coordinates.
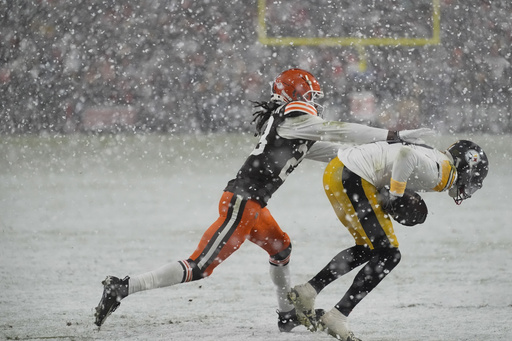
(288, 320)
(114, 290)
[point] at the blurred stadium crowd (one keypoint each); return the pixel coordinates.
(181, 66)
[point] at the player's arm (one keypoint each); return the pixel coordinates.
(406, 206)
(411, 162)
(403, 166)
(325, 151)
(314, 128)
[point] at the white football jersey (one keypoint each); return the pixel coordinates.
(423, 168)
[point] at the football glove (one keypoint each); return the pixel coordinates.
(408, 210)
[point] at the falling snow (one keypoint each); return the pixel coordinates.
(75, 209)
(121, 122)
(184, 66)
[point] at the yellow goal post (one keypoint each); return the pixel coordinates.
(349, 41)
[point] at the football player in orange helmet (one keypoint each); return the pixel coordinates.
(290, 130)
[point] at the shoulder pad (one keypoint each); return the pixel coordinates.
(300, 107)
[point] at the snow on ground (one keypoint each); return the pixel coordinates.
(74, 209)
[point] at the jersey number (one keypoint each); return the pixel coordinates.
(290, 165)
(263, 140)
(293, 162)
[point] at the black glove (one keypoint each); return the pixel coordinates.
(409, 209)
(410, 136)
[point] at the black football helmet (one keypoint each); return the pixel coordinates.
(472, 168)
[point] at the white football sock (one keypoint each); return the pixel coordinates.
(280, 276)
(167, 275)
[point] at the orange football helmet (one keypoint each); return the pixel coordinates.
(296, 85)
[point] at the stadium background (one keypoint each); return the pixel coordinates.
(194, 66)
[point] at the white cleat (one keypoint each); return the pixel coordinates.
(335, 324)
(303, 298)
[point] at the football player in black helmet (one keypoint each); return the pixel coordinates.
(368, 185)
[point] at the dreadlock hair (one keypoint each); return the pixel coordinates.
(261, 117)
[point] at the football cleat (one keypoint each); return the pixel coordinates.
(303, 299)
(288, 320)
(335, 324)
(114, 290)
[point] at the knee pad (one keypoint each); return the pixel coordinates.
(281, 258)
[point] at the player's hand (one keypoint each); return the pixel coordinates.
(414, 135)
(409, 209)
(388, 201)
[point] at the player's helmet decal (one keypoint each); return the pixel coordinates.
(472, 157)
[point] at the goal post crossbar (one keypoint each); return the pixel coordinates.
(350, 41)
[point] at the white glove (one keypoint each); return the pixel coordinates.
(414, 135)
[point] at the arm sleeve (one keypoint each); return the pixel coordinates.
(325, 151)
(403, 166)
(314, 128)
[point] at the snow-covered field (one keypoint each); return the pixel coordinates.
(74, 209)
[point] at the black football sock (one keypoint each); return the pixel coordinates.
(379, 266)
(342, 263)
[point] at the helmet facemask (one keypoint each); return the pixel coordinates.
(311, 97)
(465, 187)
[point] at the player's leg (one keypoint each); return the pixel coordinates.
(350, 258)
(384, 254)
(218, 242)
(268, 235)
(334, 187)
(383, 261)
(222, 239)
(341, 264)
(303, 296)
(381, 239)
